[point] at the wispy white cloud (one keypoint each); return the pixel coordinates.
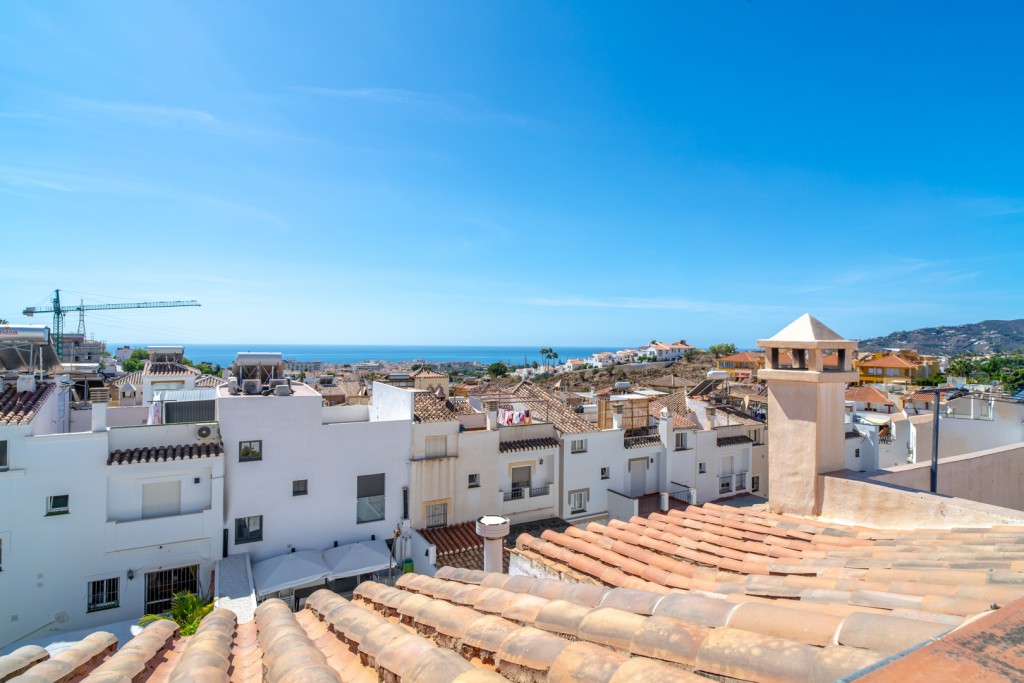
(150, 113)
(640, 303)
(464, 108)
(24, 178)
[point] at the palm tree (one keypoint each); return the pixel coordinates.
(961, 367)
(546, 355)
(553, 355)
(3, 321)
(187, 610)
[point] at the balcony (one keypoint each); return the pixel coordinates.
(142, 533)
(524, 498)
(732, 483)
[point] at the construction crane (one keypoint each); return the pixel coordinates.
(59, 311)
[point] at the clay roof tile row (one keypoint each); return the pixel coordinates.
(165, 453)
(20, 407)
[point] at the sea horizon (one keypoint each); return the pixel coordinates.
(224, 354)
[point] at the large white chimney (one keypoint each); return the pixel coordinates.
(493, 529)
(99, 416)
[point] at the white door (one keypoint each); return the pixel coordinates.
(161, 500)
(638, 477)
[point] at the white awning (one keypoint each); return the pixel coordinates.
(301, 568)
(354, 559)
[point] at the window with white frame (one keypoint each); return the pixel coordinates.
(248, 529)
(753, 434)
(474, 481)
(606, 472)
(680, 441)
(702, 468)
(578, 446)
(436, 446)
(104, 594)
(369, 498)
(58, 505)
(578, 501)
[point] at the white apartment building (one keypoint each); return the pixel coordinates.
(303, 476)
(103, 524)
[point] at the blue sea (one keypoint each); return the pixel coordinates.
(224, 354)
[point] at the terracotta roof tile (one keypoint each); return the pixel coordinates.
(429, 408)
(20, 407)
(169, 368)
(888, 361)
(165, 453)
(528, 444)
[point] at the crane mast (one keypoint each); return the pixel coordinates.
(59, 311)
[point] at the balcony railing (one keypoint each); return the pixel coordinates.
(540, 491)
(732, 483)
(514, 494)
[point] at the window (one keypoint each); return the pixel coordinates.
(161, 585)
(103, 594)
(578, 446)
(681, 441)
(474, 481)
(1, 554)
(605, 472)
(3, 456)
(405, 502)
(369, 498)
(300, 487)
(755, 483)
(856, 452)
(702, 468)
(250, 450)
(249, 529)
(437, 446)
(578, 501)
(437, 515)
(58, 505)
(753, 434)
(874, 371)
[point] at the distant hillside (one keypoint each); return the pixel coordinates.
(988, 336)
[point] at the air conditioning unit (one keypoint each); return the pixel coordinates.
(252, 387)
(207, 433)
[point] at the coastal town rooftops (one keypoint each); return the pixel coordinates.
(678, 421)
(543, 406)
(19, 408)
(427, 373)
(741, 357)
(429, 407)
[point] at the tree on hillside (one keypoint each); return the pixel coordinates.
(498, 369)
(136, 361)
(719, 350)
(548, 354)
(3, 321)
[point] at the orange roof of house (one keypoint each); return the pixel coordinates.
(868, 394)
(888, 362)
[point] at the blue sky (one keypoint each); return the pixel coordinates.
(512, 172)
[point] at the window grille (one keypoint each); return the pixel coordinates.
(161, 585)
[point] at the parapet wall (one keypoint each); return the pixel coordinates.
(982, 489)
(994, 476)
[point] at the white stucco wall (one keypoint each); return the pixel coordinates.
(48, 561)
